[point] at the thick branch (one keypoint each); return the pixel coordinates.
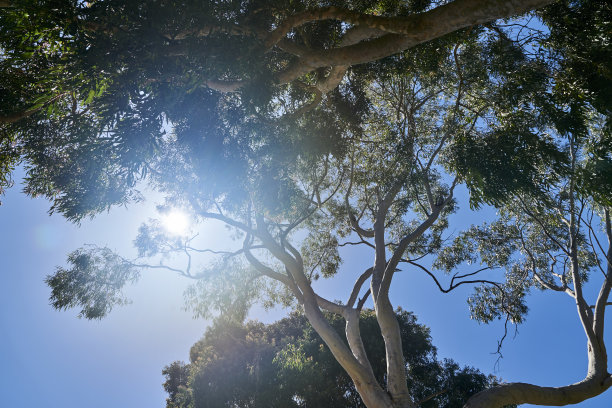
(439, 21)
(389, 327)
(521, 393)
(360, 374)
(353, 336)
(411, 30)
(224, 86)
(331, 306)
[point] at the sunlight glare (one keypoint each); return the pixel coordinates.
(176, 222)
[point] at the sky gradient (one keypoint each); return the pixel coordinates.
(53, 359)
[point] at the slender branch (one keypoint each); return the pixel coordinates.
(357, 287)
(160, 266)
(354, 223)
(453, 285)
(434, 395)
(584, 312)
(362, 301)
(17, 116)
(455, 276)
(544, 229)
(605, 304)
(398, 253)
(362, 242)
(540, 279)
(229, 221)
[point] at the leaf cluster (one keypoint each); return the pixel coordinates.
(92, 282)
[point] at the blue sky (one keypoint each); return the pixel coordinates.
(53, 359)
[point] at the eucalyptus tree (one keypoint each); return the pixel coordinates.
(555, 242)
(304, 129)
(285, 364)
(384, 181)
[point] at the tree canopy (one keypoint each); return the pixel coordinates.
(307, 127)
(121, 69)
(286, 364)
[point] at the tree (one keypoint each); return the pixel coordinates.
(301, 163)
(550, 242)
(285, 364)
(122, 68)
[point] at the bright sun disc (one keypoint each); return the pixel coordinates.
(176, 222)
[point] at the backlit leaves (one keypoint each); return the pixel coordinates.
(93, 282)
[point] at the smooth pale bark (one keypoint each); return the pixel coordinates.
(353, 336)
(370, 391)
(396, 370)
(604, 293)
(365, 382)
(521, 393)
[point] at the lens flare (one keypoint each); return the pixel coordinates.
(176, 222)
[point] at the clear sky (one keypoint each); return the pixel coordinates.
(53, 359)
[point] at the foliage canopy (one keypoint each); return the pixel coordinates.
(286, 364)
(309, 126)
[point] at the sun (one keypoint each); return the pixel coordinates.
(176, 222)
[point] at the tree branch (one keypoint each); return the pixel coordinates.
(411, 30)
(437, 22)
(357, 287)
(521, 393)
(606, 287)
(17, 116)
(453, 285)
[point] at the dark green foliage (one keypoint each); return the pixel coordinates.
(99, 98)
(8, 159)
(533, 243)
(177, 377)
(580, 48)
(97, 85)
(581, 44)
(286, 364)
(94, 84)
(505, 162)
(596, 172)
